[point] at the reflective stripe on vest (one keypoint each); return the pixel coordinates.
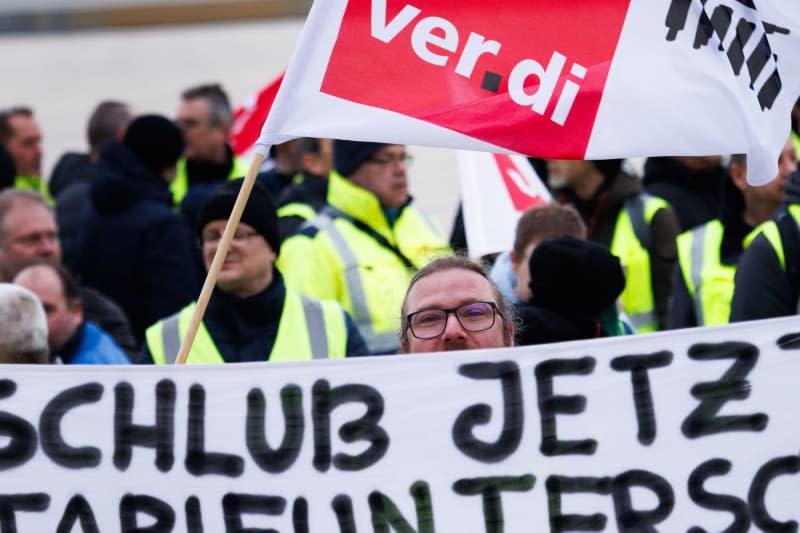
(709, 282)
(630, 244)
(203, 350)
(376, 342)
(315, 324)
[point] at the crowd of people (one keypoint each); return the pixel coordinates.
(102, 263)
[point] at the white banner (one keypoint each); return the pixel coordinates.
(664, 432)
(564, 80)
(495, 190)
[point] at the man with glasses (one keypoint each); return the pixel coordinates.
(206, 118)
(252, 316)
(452, 304)
(364, 246)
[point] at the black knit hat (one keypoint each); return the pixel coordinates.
(8, 170)
(260, 211)
(156, 141)
(574, 277)
(348, 155)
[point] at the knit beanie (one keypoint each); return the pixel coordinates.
(348, 155)
(8, 170)
(260, 211)
(156, 141)
(574, 277)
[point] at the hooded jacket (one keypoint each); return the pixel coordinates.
(134, 248)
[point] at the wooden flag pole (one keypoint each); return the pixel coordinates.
(219, 258)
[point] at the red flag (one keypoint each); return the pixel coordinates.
(248, 120)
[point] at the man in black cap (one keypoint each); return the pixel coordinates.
(638, 228)
(252, 316)
(134, 248)
(365, 245)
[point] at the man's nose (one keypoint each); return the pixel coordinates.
(47, 248)
(452, 328)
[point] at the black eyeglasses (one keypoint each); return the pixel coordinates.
(473, 316)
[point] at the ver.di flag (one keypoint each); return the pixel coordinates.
(591, 79)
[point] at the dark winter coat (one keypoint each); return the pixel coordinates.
(134, 248)
(763, 288)
(312, 191)
(69, 186)
(696, 197)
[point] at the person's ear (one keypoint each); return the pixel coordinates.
(738, 176)
(76, 307)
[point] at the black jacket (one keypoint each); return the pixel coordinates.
(764, 289)
(696, 197)
(312, 191)
(134, 248)
(543, 326)
(69, 186)
(72, 168)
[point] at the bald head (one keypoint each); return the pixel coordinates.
(57, 292)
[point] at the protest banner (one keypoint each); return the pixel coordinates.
(577, 80)
(495, 190)
(692, 430)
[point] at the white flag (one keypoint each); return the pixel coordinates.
(573, 80)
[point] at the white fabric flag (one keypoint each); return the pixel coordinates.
(571, 80)
(495, 190)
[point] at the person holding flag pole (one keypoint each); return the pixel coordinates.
(219, 258)
(251, 315)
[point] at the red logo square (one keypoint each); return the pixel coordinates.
(526, 75)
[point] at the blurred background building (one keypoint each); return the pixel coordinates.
(64, 15)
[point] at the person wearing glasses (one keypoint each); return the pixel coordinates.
(252, 316)
(206, 118)
(363, 248)
(452, 304)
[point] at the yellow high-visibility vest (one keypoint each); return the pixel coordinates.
(710, 282)
(332, 259)
(629, 244)
(308, 329)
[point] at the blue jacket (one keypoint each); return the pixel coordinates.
(92, 346)
(134, 248)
